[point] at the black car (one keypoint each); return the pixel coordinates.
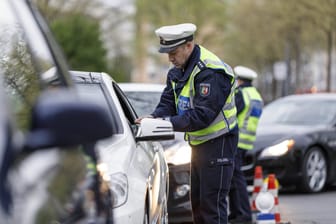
(45, 130)
(296, 140)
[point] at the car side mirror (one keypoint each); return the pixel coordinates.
(60, 118)
(155, 130)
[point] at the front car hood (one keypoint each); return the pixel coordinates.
(268, 135)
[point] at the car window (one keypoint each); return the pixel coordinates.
(28, 67)
(95, 93)
(143, 102)
(26, 63)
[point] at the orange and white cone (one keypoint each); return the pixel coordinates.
(273, 189)
(257, 185)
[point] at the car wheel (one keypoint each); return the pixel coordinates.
(314, 171)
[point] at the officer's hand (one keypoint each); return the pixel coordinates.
(138, 120)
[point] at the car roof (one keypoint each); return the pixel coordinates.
(141, 87)
(90, 77)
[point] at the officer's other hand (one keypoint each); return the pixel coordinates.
(138, 120)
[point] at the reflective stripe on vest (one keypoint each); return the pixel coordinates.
(226, 119)
(248, 119)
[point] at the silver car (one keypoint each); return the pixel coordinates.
(132, 160)
(42, 125)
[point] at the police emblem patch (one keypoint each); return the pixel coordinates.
(204, 89)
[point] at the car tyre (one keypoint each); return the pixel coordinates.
(314, 171)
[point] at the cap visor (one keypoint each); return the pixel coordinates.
(167, 49)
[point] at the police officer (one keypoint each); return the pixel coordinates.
(249, 107)
(199, 100)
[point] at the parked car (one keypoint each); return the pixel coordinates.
(144, 97)
(296, 140)
(132, 159)
(42, 124)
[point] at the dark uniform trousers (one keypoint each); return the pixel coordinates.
(239, 198)
(212, 165)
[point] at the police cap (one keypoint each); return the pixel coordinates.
(244, 72)
(175, 35)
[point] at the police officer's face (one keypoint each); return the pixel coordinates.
(180, 55)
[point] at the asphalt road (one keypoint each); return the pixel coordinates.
(296, 208)
(308, 208)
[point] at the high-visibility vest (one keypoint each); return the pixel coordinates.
(248, 118)
(226, 119)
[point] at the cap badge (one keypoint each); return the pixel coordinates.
(162, 41)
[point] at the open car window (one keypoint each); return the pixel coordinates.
(126, 105)
(143, 102)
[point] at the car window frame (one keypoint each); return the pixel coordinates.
(55, 51)
(127, 107)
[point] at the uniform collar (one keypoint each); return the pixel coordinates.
(182, 75)
(191, 63)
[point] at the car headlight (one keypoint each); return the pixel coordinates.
(278, 149)
(178, 154)
(118, 184)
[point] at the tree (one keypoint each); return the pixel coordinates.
(322, 16)
(263, 32)
(79, 36)
(209, 16)
(117, 60)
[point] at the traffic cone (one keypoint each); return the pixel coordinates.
(273, 189)
(265, 204)
(257, 185)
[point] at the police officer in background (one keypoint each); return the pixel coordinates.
(249, 108)
(199, 100)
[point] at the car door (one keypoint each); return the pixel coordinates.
(329, 136)
(158, 171)
(36, 186)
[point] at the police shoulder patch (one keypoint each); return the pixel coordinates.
(205, 89)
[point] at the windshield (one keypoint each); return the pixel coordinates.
(143, 102)
(299, 112)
